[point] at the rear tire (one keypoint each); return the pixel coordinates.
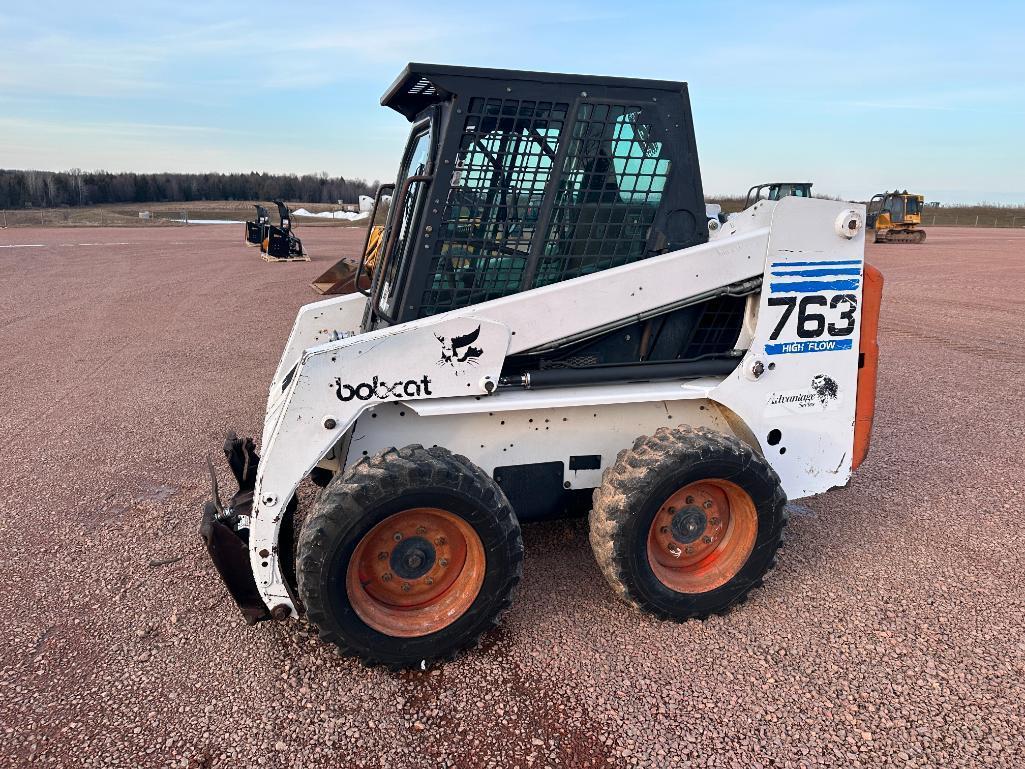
(687, 522)
(409, 558)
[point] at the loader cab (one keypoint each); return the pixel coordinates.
(776, 191)
(514, 180)
(884, 203)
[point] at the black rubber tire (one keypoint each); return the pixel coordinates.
(639, 483)
(371, 490)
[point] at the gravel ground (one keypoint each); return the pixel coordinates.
(889, 636)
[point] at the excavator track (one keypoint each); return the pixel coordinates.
(905, 237)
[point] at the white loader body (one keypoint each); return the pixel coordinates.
(791, 396)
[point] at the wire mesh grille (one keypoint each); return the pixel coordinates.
(718, 327)
(613, 178)
(505, 161)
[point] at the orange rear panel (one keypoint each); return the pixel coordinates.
(871, 299)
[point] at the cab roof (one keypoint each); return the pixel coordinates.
(421, 85)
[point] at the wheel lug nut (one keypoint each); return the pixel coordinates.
(397, 536)
(386, 577)
(714, 521)
(406, 587)
(689, 500)
(671, 510)
(429, 581)
(664, 529)
(706, 539)
(382, 556)
(443, 562)
(689, 549)
(708, 504)
(440, 541)
(421, 529)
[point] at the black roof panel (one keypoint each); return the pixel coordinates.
(420, 85)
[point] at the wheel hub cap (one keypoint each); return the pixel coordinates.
(412, 558)
(688, 524)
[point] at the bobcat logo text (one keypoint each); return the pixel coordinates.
(382, 391)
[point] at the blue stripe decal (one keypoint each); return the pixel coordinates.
(828, 345)
(815, 264)
(819, 273)
(814, 286)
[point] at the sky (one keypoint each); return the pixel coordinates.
(855, 97)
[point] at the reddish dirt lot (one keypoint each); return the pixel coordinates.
(890, 635)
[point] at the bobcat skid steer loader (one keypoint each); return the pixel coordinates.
(684, 376)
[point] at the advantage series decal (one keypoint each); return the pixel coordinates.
(821, 323)
(822, 395)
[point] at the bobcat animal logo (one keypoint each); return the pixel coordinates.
(825, 387)
(459, 349)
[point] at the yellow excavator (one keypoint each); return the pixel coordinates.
(896, 217)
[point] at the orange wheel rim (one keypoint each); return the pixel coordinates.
(415, 572)
(702, 536)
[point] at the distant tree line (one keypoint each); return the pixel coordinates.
(48, 189)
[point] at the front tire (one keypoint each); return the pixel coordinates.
(409, 558)
(687, 522)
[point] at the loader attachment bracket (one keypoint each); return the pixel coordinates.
(230, 555)
(223, 532)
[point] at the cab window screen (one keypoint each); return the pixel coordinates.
(505, 160)
(614, 174)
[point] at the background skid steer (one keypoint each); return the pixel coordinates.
(775, 191)
(682, 378)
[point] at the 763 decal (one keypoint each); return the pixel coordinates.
(820, 323)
